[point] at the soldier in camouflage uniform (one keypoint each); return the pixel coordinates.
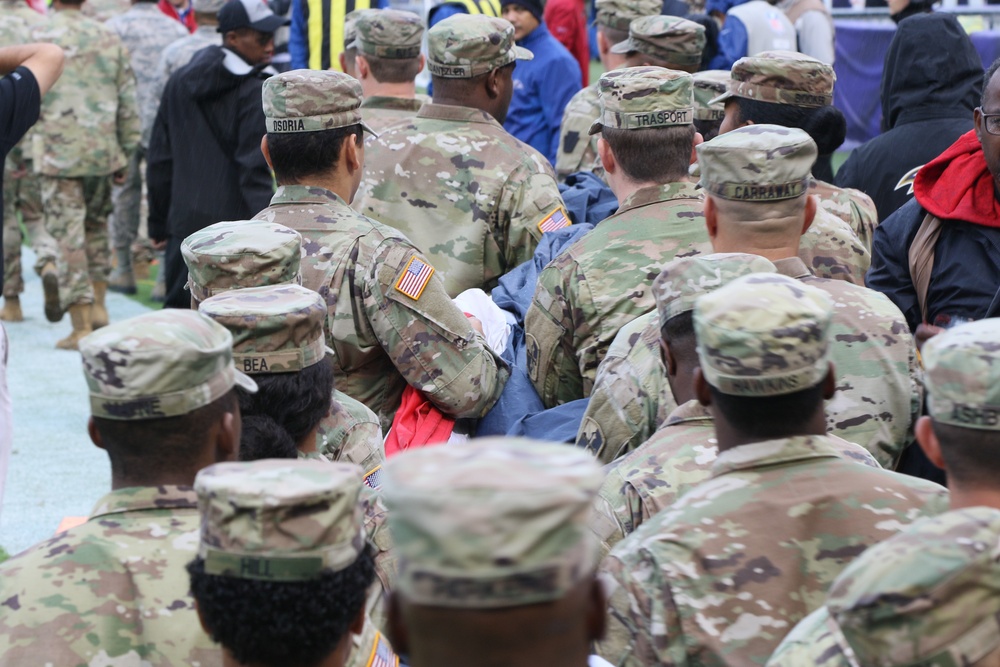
(931, 594)
(178, 53)
(722, 575)
(146, 32)
(577, 149)
(102, 10)
(292, 530)
(390, 320)
(774, 78)
(473, 198)
(502, 564)
(88, 131)
(113, 590)
(680, 454)
(601, 282)
(22, 192)
(244, 254)
(388, 60)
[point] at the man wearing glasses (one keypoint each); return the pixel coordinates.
(204, 162)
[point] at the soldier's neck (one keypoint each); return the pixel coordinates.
(961, 496)
(372, 88)
(337, 183)
(728, 436)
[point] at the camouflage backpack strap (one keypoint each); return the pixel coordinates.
(921, 257)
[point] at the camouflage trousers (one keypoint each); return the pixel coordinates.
(76, 215)
(127, 199)
(23, 194)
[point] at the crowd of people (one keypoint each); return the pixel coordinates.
(523, 370)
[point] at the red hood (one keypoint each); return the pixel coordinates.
(957, 185)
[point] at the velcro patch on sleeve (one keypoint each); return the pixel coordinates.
(373, 478)
(382, 654)
(415, 278)
(556, 219)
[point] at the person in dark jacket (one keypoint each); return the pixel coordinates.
(204, 163)
(928, 95)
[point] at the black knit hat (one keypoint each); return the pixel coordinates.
(536, 7)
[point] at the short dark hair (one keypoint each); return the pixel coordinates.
(264, 438)
(770, 416)
(657, 154)
(613, 35)
(140, 447)
(278, 624)
(679, 328)
(296, 156)
(826, 125)
(393, 70)
(297, 402)
(987, 77)
(457, 88)
(709, 129)
(969, 454)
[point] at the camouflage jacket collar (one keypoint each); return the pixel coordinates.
(391, 103)
(768, 453)
(793, 267)
(297, 194)
(141, 498)
(654, 194)
(688, 412)
(456, 114)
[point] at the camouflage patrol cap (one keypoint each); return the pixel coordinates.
(280, 519)
(500, 523)
(708, 85)
(276, 329)
(782, 77)
(763, 335)
(160, 364)
(466, 45)
(757, 163)
(240, 253)
(351, 27)
(306, 100)
(674, 40)
(207, 6)
(962, 375)
(932, 598)
(683, 280)
(639, 98)
(388, 33)
(620, 13)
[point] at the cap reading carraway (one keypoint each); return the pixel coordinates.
(674, 40)
(639, 98)
(240, 253)
(763, 335)
(254, 14)
(757, 163)
(465, 45)
(682, 281)
(276, 329)
(388, 33)
(280, 520)
(782, 77)
(160, 364)
(305, 100)
(511, 529)
(962, 375)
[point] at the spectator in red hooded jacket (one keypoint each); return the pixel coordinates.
(567, 21)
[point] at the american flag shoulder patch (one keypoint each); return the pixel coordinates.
(382, 655)
(556, 219)
(415, 278)
(373, 478)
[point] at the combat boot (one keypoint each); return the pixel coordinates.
(123, 276)
(98, 312)
(11, 310)
(50, 285)
(79, 315)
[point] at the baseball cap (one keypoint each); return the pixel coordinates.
(305, 100)
(500, 523)
(160, 364)
(467, 45)
(676, 41)
(255, 14)
(280, 519)
(764, 334)
(962, 375)
(276, 329)
(240, 253)
(620, 13)
(388, 33)
(639, 98)
(757, 163)
(781, 77)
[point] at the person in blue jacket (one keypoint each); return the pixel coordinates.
(543, 86)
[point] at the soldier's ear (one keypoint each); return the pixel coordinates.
(606, 155)
(928, 441)
(266, 152)
(95, 435)
(711, 218)
(493, 84)
(812, 207)
(362, 67)
(668, 358)
(830, 382)
(698, 140)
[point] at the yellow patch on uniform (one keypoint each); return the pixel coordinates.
(415, 278)
(373, 478)
(556, 219)
(907, 180)
(382, 654)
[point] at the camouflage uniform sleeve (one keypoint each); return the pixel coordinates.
(553, 331)
(576, 151)
(864, 212)
(351, 432)
(527, 198)
(615, 511)
(831, 249)
(428, 338)
(385, 562)
(809, 643)
(127, 120)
